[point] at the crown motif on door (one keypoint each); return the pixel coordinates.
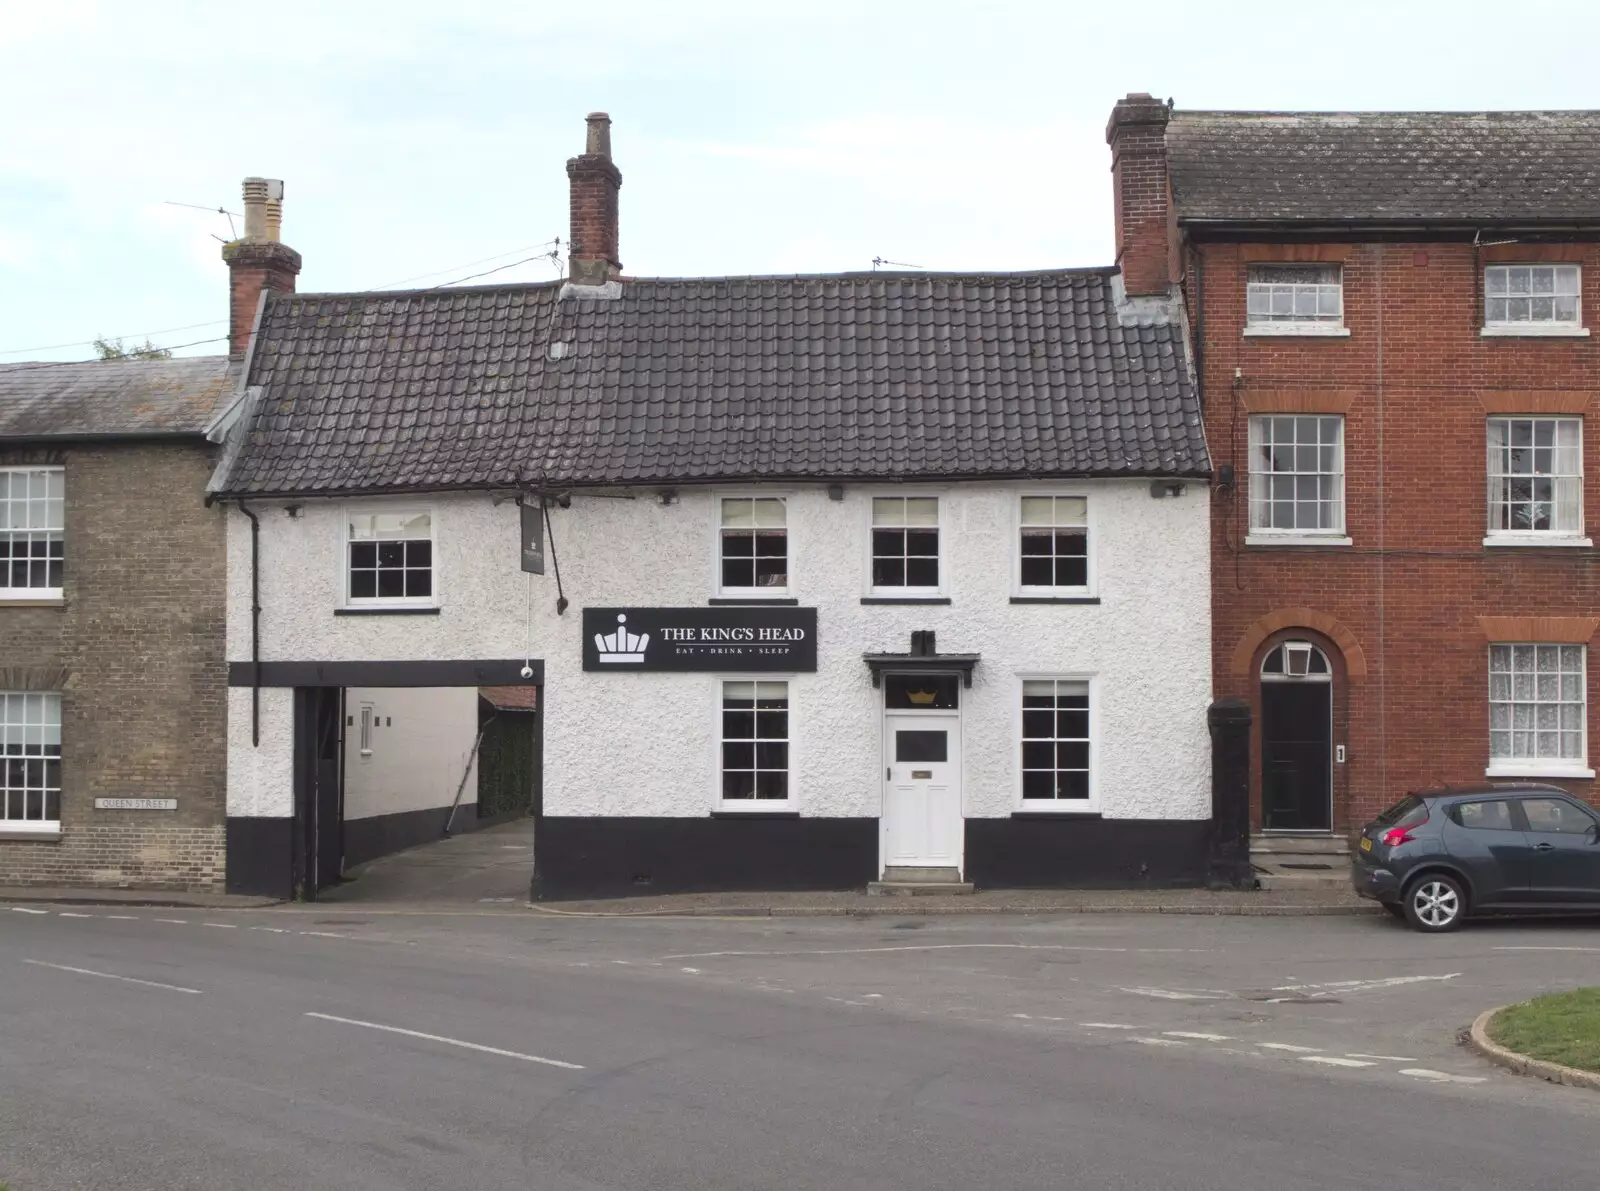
(621, 646)
(922, 698)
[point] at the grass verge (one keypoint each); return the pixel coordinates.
(1560, 1028)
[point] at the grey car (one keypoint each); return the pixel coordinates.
(1439, 856)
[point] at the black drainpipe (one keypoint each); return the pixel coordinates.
(255, 626)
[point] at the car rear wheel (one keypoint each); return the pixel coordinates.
(1435, 903)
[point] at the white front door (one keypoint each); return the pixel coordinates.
(922, 796)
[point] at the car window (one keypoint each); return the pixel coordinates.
(1405, 808)
(1493, 815)
(1556, 815)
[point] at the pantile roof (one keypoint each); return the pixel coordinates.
(1449, 167)
(112, 398)
(871, 375)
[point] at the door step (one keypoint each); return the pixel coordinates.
(914, 882)
(1300, 861)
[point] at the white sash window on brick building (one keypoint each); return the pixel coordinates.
(30, 761)
(32, 532)
(1537, 707)
(1535, 476)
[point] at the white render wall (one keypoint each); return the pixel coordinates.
(645, 743)
(420, 746)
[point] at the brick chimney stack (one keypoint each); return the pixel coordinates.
(257, 261)
(1147, 237)
(592, 250)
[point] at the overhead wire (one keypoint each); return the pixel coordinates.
(468, 264)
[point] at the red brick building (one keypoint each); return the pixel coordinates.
(1392, 319)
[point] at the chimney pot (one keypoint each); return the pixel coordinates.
(599, 140)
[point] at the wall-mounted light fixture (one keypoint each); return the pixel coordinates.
(292, 510)
(667, 496)
(835, 491)
(1163, 488)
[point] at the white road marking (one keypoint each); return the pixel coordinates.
(122, 918)
(1105, 1025)
(1545, 949)
(39, 963)
(1333, 1061)
(1363, 985)
(1356, 1054)
(173, 921)
(1158, 1042)
(1290, 1047)
(1440, 1076)
(323, 934)
(70, 914)
(1169, 994)
(690, 971)
(488, 1050)
(222, 925)
(912, 947)
(27, 910)
(1197, 1036)
(276, 930)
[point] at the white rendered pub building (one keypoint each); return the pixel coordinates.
(822, 579)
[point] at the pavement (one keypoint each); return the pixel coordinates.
(316, 1045)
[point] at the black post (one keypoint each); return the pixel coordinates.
(1229, 862)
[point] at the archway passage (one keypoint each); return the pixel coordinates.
(1296, 739)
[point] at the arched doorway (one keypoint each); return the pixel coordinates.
(1296, 738)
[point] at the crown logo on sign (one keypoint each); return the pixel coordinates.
(621, 646)
(922, 698)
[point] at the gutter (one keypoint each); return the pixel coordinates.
(102, 437)
(553, 484)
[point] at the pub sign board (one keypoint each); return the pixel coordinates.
(533, 535)
(616, 640)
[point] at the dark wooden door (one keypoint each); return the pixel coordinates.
(1296, 756)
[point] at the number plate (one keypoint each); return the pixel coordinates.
(1366, 844)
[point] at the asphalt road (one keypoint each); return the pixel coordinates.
(323, 1047)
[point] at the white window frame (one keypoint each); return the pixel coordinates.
(13, 594)
(1512, 766)
(910, 592)
(1272, 536)
(49, 701)
(366, 510)
(1310, 325)
(1057, 806)
(1091, 530)
(751, 806)
(752, 593)
(1551, 327)
(1494, 536)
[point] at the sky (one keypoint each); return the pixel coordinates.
(423, 142)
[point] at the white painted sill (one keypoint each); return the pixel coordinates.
(1075, 810)
(37, 831)
(1295, 539)
(1537, 771)
(1502, 540)
(33, 597)
(732, 809)
(1296, 330)
(1532, 331)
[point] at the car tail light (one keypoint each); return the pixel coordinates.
(1402, 834)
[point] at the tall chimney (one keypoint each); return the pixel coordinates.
(594, 180)
(1142, 194)
(257, 260)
